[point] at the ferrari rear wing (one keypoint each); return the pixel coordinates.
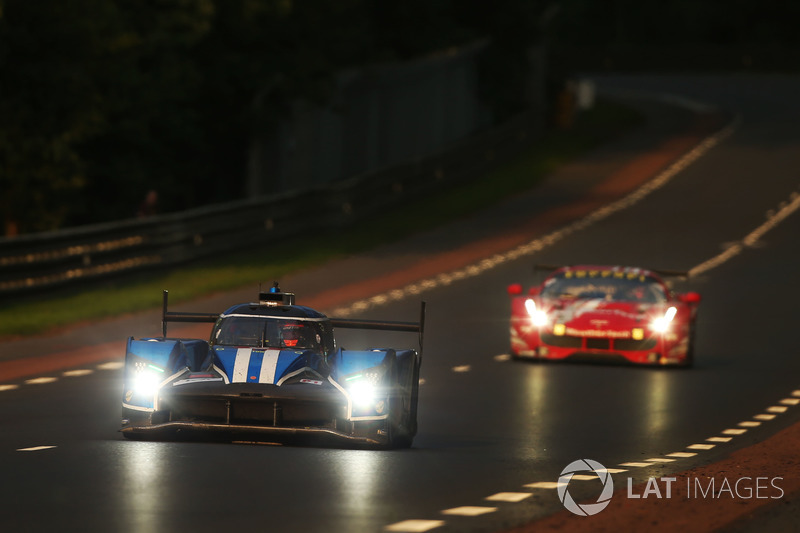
(665, 273)
(386, 325)
(672, 273)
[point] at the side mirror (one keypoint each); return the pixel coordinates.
(690, 298)
(515, 289)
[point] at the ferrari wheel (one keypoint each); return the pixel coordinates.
(690, 351)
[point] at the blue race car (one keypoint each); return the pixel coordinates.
(272, 372)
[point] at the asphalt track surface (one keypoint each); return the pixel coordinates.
(495, 434)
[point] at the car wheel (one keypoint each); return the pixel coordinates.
(689, 362)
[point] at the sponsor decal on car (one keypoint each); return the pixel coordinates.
(600, 333)
(196, 379)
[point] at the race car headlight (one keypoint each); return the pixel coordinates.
(538, 316)
(661, 324)
(147, 380)
(363, 387)
(362, 393)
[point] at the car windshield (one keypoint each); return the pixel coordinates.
(604, 286)
(267, 332)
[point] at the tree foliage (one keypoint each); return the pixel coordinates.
(104, 100)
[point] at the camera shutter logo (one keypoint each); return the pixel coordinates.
(585, 465)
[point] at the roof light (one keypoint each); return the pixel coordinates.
(274, 299)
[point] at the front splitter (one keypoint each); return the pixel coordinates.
(173, 429)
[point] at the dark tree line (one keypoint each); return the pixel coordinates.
(104, 100)
(716, 22)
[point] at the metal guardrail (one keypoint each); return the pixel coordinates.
(80, 255)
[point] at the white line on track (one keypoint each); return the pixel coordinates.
(543, 485)
(764, 417)
(469, 510)
(77, 373)
(750, 240)
(749, 424)
(734, 432)
(8, 387)
(35, 449)
(414, 526)
(513, 497)
(40, 381)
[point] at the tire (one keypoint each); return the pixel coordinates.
(403, 425)
(689, 363)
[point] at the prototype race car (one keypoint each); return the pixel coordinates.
(272, 371)
(604, 313)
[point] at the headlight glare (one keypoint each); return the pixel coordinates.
(146, 383)
(538, 316)
(362, 393)
(661, 324)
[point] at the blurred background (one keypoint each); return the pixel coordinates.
(117, 109)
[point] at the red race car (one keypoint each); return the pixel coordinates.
(604, 313)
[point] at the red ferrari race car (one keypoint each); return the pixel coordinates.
(604, 314)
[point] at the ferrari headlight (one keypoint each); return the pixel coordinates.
(661, 324)
(538, 316)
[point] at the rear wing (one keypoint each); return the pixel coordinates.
(411, 327)
(178, 316)
(386, 325)
(661, 272)
(683, 274)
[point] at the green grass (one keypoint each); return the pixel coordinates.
(33, 316)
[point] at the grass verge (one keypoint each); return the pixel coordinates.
(605, 121)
